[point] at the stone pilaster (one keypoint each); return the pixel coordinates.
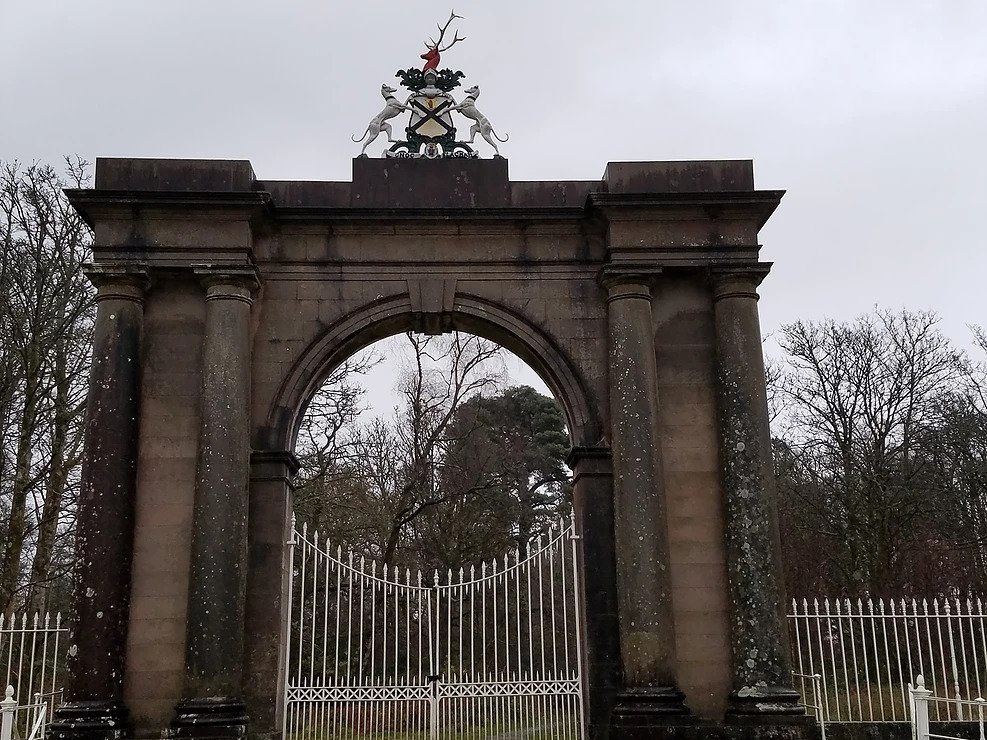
(105, 522)
(761, 663)
(647, 633)
(267, 588)
(592, 483)
(213, 704)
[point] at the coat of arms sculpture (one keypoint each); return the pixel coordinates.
(430, 132)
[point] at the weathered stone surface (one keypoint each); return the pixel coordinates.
(761, 661)
(218, 569)
(169, 432)
(436, 183)
(644, 586)
(174, 175)
(105, 522)
(721, 176)
(431, 246)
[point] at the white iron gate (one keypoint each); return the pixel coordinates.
(481, 652)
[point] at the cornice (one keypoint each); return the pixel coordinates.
(636, 206)
(90, 202)
(337, 214)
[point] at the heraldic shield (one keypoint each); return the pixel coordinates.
(430, 131)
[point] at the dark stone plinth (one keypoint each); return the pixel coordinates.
(672, 730)
(212, 717)
(897, 730)
(716, 176)
(174, 175)
(90, 720)
(430, 183)
(648, 706)
(765, 702)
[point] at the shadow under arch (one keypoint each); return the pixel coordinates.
(390, 316)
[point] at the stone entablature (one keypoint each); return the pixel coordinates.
(620, 292)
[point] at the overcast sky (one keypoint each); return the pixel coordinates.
(872, 114)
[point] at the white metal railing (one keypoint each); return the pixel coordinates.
(810, 688)
(866, 651)
(34, 717)
(381, 652)
(971, 710)
(31, 659)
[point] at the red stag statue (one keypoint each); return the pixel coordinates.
(435, 48)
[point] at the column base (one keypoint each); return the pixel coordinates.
(90, 720)
(210, 717)
(764, 702)
(648, 707)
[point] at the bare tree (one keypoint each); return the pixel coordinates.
(45, 334)
(956, 446)
(327, 438)
(445, 372)
(385, 475)
(858, 396)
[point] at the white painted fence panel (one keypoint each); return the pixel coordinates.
(866, 652)
(31, 656)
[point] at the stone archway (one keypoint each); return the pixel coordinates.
(224, 297)
(386, 317)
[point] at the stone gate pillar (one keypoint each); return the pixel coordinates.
(104, 540)
(650, 693)
(592, 484)
(213, 704)
(761, 665)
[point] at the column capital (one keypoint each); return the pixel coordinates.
(273, 465)
(124, 281)
(228, 282)
(579, 454)
(590, 462)
(629, 280)
(737, 281)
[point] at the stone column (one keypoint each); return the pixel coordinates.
(761, 664)
(105, 534)
(213, 705)
(647, 632)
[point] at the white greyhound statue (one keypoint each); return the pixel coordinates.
(379, 122)
(482, 125)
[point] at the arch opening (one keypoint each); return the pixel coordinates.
(389, 317)
(447, 567)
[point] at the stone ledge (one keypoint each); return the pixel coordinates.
(704, 176)
(174, 175)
